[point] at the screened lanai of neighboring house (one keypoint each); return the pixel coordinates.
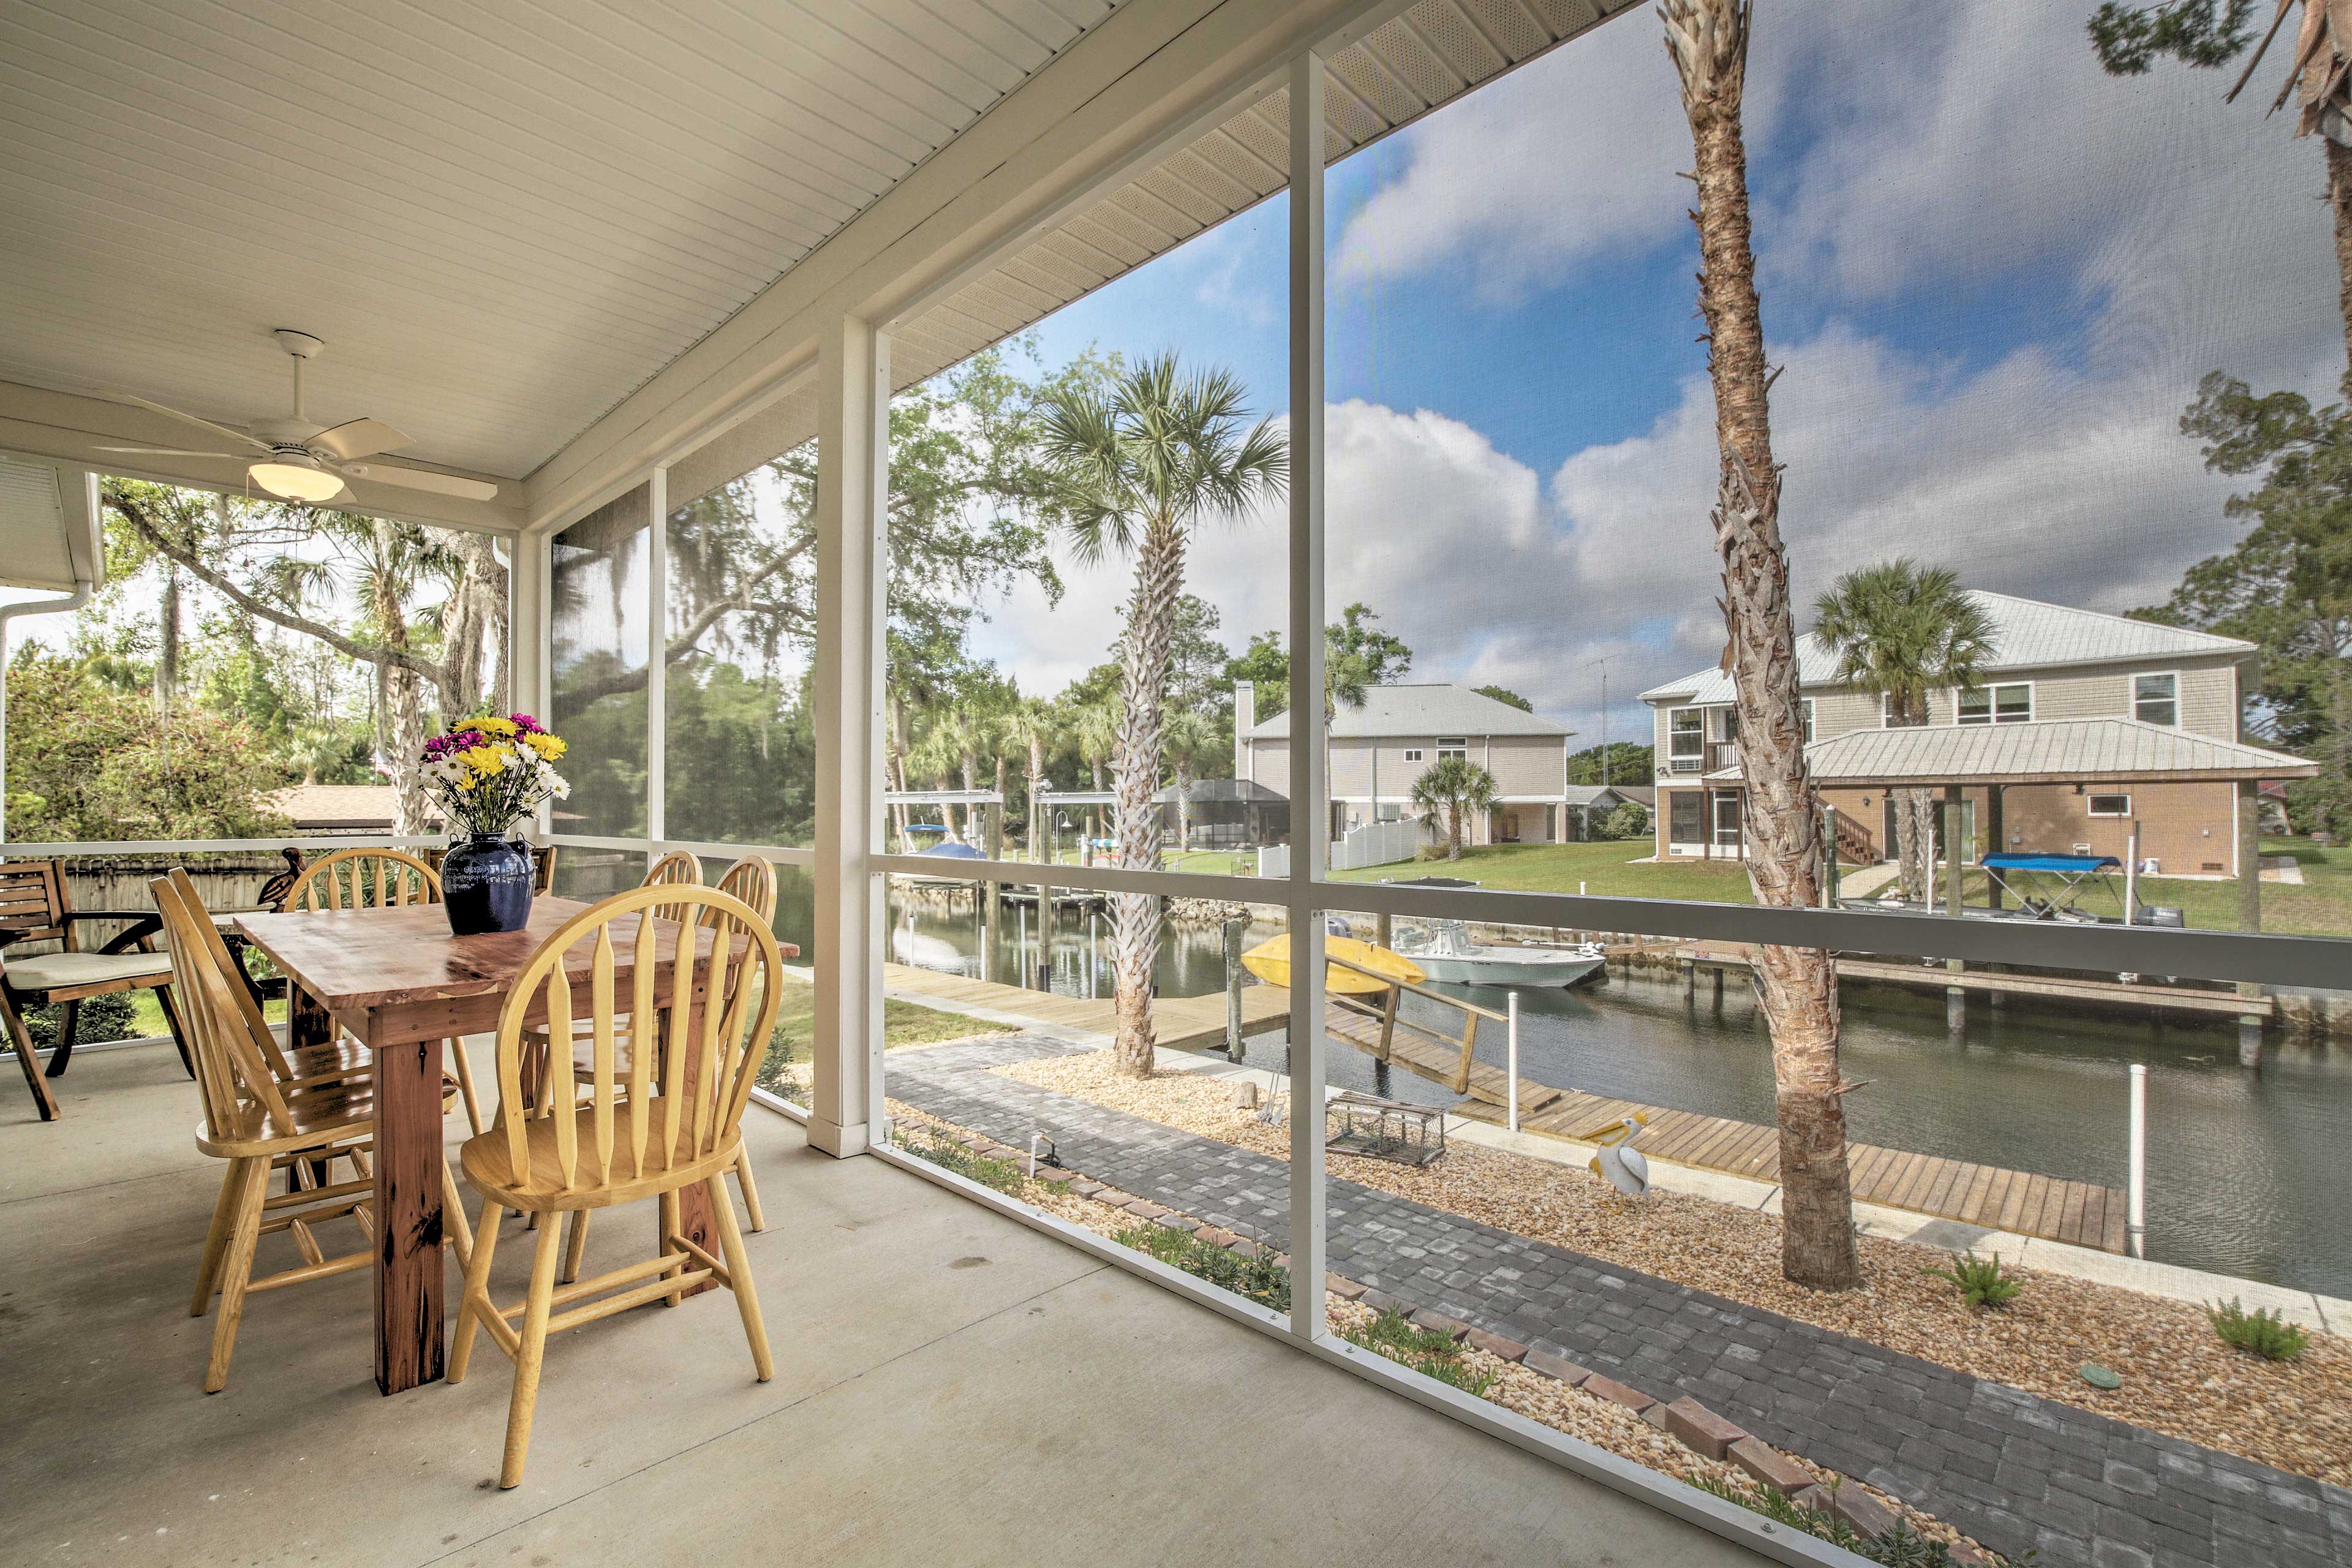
(605, 273)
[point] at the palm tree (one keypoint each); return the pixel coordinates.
(1900, 630)
(1027, 725)
(1138, 462)
(1187, 737)
(1455, 786)
(1797, 987)
(2127, 40)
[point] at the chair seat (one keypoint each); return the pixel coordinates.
(63, 971)
(484, 1159)
(326, 1114)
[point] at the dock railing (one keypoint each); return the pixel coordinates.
(1385, 1014)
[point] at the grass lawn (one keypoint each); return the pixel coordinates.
(1606, 870)
(903, 1024)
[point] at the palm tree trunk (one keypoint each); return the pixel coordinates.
(1906, 845)
(1797, 987)
(1143, 675)
(2339, 201)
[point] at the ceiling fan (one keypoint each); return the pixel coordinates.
(302, 462)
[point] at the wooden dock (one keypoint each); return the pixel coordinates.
(2074, 1212)
(1998, 983)
(1183, 1023)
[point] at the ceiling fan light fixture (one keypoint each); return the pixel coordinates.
(296, 479)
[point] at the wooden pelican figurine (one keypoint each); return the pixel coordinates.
(1617, 1159)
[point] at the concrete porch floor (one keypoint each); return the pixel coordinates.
(951, 1387)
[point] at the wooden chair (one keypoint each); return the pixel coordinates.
(381, 879)
(34, 906)
(635, 1136)
(263, 1110)
(753, 879)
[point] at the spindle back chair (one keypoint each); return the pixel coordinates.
(261, 1115)
(646, 1129)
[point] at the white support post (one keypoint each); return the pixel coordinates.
(853, 487)
(656, 662)
(1310, 817)
(531, 637)
(1512, 1095)
(2136, 1229)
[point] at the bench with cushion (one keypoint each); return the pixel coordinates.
(34, 907)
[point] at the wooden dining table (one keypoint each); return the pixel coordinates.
(397, 981)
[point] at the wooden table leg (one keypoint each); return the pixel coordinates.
(409, 1342)
(307, 1023)
(694, 1221)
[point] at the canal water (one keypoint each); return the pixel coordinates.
(2247, 1171)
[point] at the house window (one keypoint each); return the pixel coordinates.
(1685, 739)
(1446, 748)
(1412, 753)
(2111, 806)
(1805, 708)
(2009, 703)
(2155, 700)
(1727, 821)
(1683, 817)
(1888, 719)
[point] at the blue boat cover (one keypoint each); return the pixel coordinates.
(953, 852)
(2051, 862)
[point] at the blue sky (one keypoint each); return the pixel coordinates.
(1994, 275)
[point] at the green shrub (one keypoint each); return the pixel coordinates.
(941, 1150)
(106, 1017)
(2261, 1332)
(1981, 1281)
(1426, 1351)
(1901, 1547)
(1259, 1278)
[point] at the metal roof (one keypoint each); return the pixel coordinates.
(1435, 709)
(2057, 750)
(2026, 635)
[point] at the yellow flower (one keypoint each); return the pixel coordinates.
(485, 761)
(498, 728)
(547, 746)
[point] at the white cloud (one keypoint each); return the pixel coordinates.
(1568, 161)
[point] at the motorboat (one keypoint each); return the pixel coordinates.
(1446, 953)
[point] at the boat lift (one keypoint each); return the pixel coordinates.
(2069, 876)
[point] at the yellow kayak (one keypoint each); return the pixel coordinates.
(1270, 961)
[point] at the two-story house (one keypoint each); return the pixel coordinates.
(1379, 748)
(2087, 728)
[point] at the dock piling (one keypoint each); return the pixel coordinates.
(2135, 1225)
(1514, 1105)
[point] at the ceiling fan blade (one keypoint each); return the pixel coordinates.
(422, 480)
(165, 452)
(358, 438)
(233, 434)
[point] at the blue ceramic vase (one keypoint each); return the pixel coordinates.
(486, 885)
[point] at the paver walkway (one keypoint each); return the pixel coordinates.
(2016, 1471)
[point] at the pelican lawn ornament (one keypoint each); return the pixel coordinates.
(1622, 1164)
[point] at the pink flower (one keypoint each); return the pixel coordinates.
(527, 724)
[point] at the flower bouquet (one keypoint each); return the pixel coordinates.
(488, 772)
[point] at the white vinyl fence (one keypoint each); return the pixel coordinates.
(1374, 844)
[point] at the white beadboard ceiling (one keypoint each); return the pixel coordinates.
(1419, 60)
(505, 218)
(501, 217)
